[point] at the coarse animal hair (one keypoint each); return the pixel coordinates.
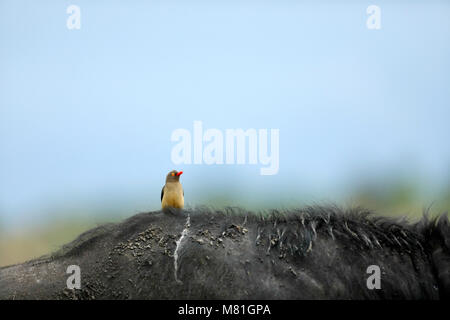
(316, 252)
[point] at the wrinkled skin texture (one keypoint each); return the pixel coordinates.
(311, 253)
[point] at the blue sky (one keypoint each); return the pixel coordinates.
(86, 115)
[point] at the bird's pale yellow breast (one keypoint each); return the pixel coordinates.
(173, 196)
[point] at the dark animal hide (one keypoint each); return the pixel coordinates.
(310, 253)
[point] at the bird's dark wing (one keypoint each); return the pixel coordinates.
(162, 193)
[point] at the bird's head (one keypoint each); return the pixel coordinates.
(174, 176)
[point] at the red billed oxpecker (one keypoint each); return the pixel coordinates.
(172, 194)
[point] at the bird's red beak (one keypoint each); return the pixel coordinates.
(180, 173)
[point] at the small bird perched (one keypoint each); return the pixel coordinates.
(172, 194)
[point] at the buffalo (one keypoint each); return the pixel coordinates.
(309, 253)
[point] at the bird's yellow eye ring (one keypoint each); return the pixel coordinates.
(173, 174)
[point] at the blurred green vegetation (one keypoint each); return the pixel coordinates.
(395, 198)
(26, 244)
(403, 200)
